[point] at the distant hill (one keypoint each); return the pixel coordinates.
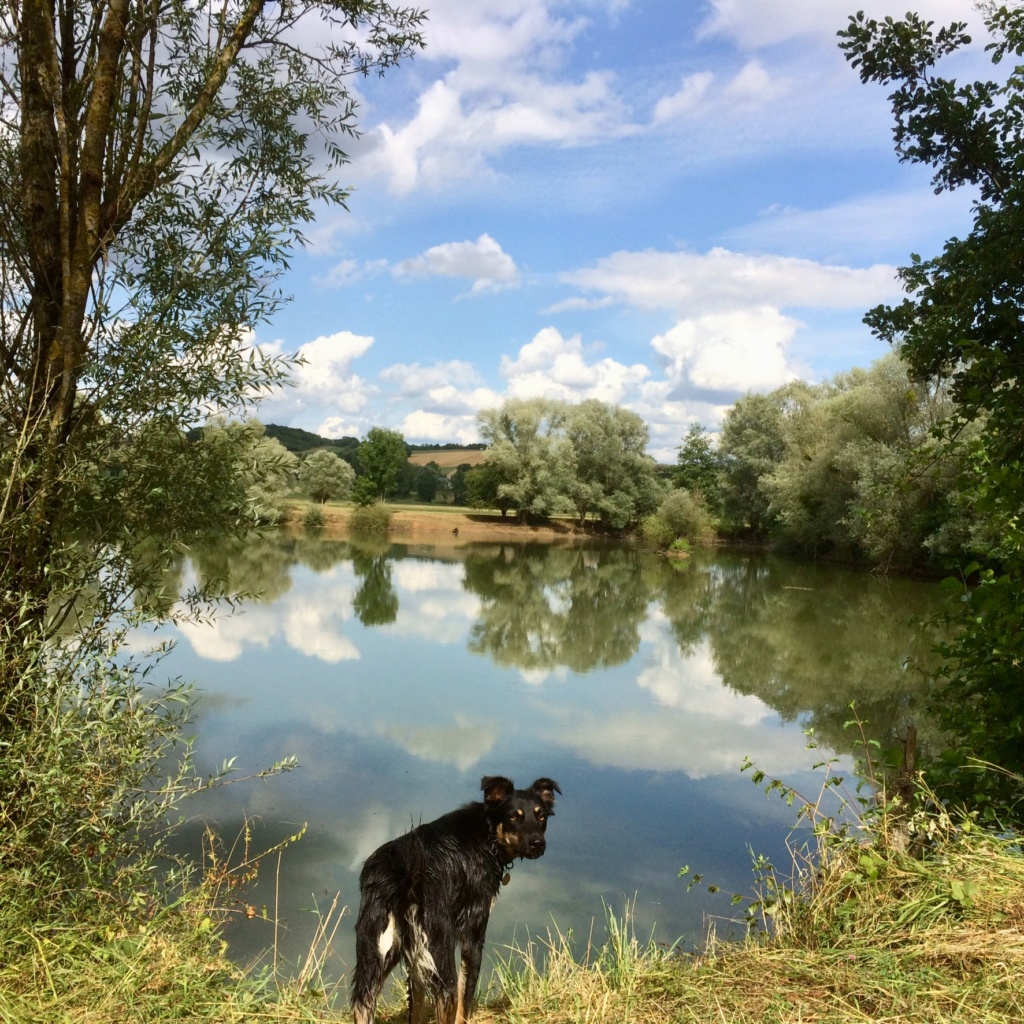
(447, 456)
(295, 439)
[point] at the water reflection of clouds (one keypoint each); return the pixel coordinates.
(443, 617)
(690, 722)
(696, 745)
(309, 619)
(225, 637)
(417, 575)
(311, 627)
(691, 683)
(462, 743)
(539, 676)
(694, 724)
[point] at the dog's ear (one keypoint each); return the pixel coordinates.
(545, 790)
(496, 789)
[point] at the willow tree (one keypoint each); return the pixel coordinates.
(158, 161)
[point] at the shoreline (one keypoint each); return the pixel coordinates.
(454, 525)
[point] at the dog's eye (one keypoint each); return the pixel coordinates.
(539, 814)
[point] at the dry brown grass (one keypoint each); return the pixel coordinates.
(448, 524)
(450, 459)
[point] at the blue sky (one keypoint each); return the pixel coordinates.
(658, 203)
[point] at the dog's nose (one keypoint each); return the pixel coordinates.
(536, 844)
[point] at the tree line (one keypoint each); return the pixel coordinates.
(853, 469)
(544, 458)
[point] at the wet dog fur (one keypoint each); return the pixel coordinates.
(427, 896)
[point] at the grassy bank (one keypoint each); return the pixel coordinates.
(447, 524)
(878, 938)
(866, 930)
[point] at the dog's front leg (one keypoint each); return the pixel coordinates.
(472, 950)
(447, 984)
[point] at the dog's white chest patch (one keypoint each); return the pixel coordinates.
(386, 941)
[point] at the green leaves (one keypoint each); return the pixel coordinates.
(548, 457)
(381, 457)
(964, 321)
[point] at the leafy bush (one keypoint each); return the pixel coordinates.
(370, 519)
(313, 518)
(656, 531)
(681, 514)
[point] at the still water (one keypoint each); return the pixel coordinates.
(399, 675)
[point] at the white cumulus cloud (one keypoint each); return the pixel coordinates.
(557, 367)
(721, 281)
(741, 351)
(753, 24)
(483, 262)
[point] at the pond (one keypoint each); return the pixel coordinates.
(399, 675)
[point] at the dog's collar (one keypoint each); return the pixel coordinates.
(504, 866)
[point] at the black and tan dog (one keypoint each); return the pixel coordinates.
(428, 895)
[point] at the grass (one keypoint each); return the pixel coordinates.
(869, 933)
(914, 918)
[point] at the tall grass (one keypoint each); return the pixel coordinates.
(907, 915)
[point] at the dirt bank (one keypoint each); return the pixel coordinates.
(448, 524)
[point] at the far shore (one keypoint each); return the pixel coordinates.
(450, 524)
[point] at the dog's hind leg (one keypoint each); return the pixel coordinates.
(445, 978)
(378, 949)
(417, 998)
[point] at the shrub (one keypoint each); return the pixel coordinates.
(370, 519)
(681, 514)
(313, 518)
(656, 531)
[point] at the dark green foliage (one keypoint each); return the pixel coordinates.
(429, 482)
(482, 489)
(752, 445)
(964, 319)
(459, 484)
(478, 447)
(382, 457)
(698, 465)
(295, 439)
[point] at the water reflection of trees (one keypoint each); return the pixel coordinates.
(375, 602)
(547, 607)
(808, 641)
(805, 639)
